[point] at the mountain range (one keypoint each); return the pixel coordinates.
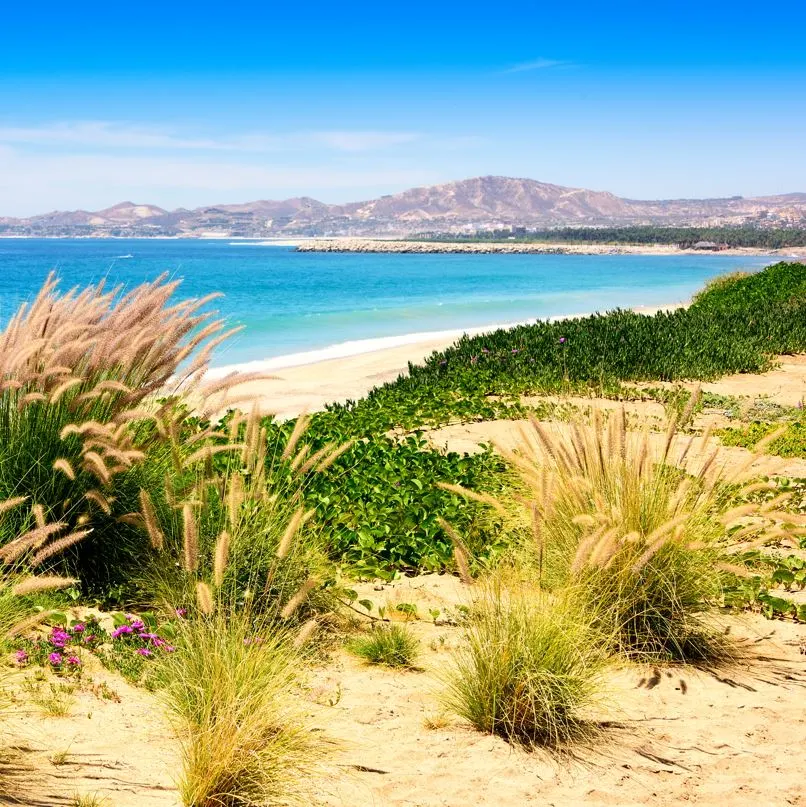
(480, 203)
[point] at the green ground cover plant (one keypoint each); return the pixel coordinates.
(789, 442)
(736, 325)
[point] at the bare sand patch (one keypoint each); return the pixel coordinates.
(674, 735)
(784, 385)
(121, 750)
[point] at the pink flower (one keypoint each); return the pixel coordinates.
(58, 637)
(169, 648)
(21, 656)
(78, 628)
(181, 612)
(562, 340)
(74, 661)
(118, 632)
(55, 659)
(143, 651)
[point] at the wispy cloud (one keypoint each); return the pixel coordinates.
(535, 64)
(31, 183)
(114, 135)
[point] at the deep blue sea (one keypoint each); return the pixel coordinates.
(293, 302)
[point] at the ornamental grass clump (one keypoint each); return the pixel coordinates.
(230, 688)
(79, 373)
(527, 671)
(247, 569)
(233, 526)
(633, 528)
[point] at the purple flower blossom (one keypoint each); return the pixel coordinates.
(515, 350)
(78, 628)
(118, 632)
(181, 612)
(21, 656)
(168, 648)
(562, 340)
(58, 637)
(74, 661)
(55, 659)
(143, 651)
(89, 637)
(147, 636)
(136, 624)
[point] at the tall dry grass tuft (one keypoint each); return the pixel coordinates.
(234, 519)
(250, 570)
(528, 670)
(632, 527)
(79, 374)
(245, 740)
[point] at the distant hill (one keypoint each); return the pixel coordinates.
(480, 203)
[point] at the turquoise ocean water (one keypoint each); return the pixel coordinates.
(293, 303)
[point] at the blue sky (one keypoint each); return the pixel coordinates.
(183, 104)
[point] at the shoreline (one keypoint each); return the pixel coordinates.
(308, 381)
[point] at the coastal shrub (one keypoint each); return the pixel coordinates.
(78, 374)
(229, 688)
(389, 644)
(525, 671)
(685, 237)
(632, 529)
